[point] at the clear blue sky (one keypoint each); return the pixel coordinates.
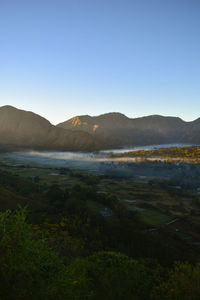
(61, 58)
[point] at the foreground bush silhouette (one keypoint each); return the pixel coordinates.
(182, 283)
(29, 269)
(111, 276)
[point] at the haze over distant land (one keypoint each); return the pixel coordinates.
(25, 130)
(65, 58)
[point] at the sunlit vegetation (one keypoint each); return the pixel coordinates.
(191, 154)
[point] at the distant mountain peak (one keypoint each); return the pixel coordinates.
(8, 107)
(25, 129)
(120, 130)
(114, 114)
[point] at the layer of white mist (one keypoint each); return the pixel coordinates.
(93, 156)
(150, 147)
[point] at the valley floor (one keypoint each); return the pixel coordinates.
(115, 223)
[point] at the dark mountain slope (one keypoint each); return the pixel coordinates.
(192, 135)
(22, 129)
(121, 130)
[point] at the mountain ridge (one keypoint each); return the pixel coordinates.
(25, 129)
(20, 129)
(121, 130)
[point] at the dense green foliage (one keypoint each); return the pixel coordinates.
(182, 283)
(30, 269)
(60, 247)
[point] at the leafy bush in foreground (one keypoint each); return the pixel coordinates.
(182, 283)
(111, 276)
(30, 269)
